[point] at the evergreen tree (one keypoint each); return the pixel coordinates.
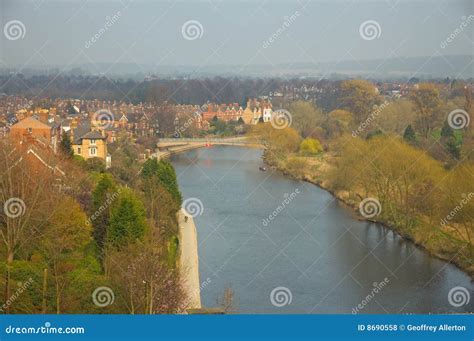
(66, 145)
(409, 135)
(447, 131)
(166, 175)
(374, 133)
(127, 221)
(453, 148)
(102, 197)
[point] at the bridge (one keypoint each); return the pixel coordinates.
(169, 146)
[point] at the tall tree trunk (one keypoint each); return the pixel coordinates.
(45, 288)
(7, 279)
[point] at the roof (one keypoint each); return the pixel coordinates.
(93, 135)
(81, 130)
(30, 122)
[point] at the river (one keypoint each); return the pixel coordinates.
(311, 255)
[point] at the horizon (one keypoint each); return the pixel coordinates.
(218, 34)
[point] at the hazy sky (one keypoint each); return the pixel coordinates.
(233, 32)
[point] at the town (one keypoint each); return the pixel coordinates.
(92, 124)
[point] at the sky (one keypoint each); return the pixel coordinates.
(223, 32)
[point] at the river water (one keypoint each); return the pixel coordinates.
(311, 254)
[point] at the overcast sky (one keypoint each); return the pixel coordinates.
(233, 32)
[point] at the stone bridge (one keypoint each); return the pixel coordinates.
(169, 146)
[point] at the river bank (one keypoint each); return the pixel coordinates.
(189, 259)
(317, 174)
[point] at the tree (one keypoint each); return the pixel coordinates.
(27, 201)
(446, 130)
(359, 97)
(64, 238)
(66, 145)
(306, 117)
(427, 106)
(105, 191)
(279, 142)
(309, 147)
(453, 148)
(166, 174)
(409, 135)
(458, 207)
(127, 220)
(338, 122)
(145, 282)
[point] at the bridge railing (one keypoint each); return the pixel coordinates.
(208, 140)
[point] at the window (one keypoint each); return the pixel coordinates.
(92, 141)
(79, 150)
(93, 151)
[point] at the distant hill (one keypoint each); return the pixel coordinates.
(456, 66)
